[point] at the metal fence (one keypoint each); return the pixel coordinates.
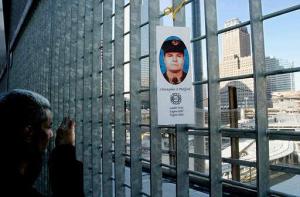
(96, 62)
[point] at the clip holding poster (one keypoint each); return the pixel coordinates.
(175, 90)
(174, 10)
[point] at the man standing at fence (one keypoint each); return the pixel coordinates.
(25, 124)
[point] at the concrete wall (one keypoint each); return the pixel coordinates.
(2, 48)
(16, 11)
(2, 42)
(58, 56)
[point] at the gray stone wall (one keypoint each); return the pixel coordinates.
(3, 83)
(2, 49)
(17, 9)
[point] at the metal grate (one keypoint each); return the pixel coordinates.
(94, 61)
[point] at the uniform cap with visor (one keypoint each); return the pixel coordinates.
(173, 46)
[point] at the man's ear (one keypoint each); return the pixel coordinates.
(28, 134)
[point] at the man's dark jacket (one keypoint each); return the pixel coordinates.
(175, 81)
(66, 173)
(15, 184)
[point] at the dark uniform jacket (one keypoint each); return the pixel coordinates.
(175, 81)
(14, 184)
(66, 173)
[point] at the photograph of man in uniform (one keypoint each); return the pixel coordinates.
(174, 60)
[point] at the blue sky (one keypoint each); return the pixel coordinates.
(281, 34)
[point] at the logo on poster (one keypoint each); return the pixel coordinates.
(175, 98)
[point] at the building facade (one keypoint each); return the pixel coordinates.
(236, 60)
(279, 83)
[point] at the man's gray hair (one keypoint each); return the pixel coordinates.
(19, 108)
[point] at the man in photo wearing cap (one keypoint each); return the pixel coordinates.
(174, 61)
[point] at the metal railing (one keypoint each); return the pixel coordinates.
(83, 73)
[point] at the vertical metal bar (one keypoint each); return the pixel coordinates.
(67, 59)
(33, 86)
(182, 146)
(87, 100)
(47, 61)
(41, 53)
(155, 141)
(35, 60)
(215, 164)
(119, 134)
(135, 105)
(259, 67)
(45, 25)
(53, 40)
(43, 82)
(73, 60)
(234, 141)
(56, 64)
(43, 56)
(96, 137)
(58, 69)
(51, 53)
(55, 30)
(79, 85)
(38, 60)
(106, 104)
(199, 143)
(182, 161)
(69, 63)
(172, 148)
(61, 61)
(73, 63)
(48, 23)
(180, 16)
(179, 21)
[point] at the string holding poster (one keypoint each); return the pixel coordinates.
(175, 91)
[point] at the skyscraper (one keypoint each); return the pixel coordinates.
(237, 60)
(236, 42)
(279, 83)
